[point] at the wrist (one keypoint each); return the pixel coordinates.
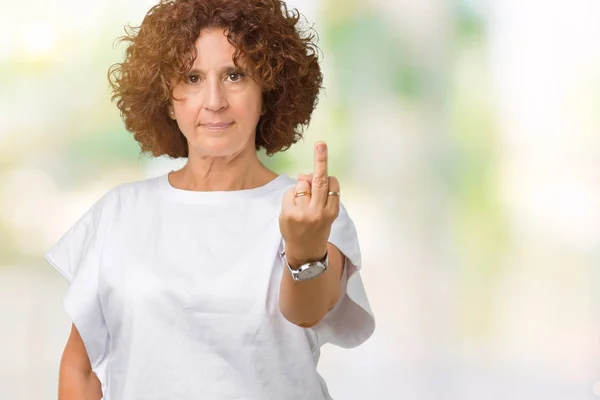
(297, 258)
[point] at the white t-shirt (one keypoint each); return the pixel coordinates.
(175, 295)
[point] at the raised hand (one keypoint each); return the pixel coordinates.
(308, 211)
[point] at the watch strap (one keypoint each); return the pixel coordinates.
(323, 263)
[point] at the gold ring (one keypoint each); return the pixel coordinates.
(334, 194)
(304, 193)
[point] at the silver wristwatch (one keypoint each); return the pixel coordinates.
(309, 270)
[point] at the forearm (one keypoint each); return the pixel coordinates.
(74, 384)
(305, 303)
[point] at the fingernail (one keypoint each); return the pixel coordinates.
(321, 147)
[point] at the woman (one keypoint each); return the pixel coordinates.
(223, 279)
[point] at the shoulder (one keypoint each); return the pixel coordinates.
(135, 188)
(133, 191)
(286, 180)
(280, 185)
(122, 196)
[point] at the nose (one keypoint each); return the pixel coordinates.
(216, 98)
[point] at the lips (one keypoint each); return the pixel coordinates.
(217, 125)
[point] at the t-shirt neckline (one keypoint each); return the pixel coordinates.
(217, 196)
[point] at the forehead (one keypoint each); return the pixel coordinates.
(214, 50)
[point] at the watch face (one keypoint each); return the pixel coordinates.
(310, 273)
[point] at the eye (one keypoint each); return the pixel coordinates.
(193, 79)
(235, 76)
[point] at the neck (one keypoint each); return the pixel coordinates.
(237, 172)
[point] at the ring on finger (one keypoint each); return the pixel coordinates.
(303, 193)
(334, 194)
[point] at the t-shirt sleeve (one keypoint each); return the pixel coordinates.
(351, 322)
(76, 257)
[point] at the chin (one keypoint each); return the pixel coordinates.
(217, 147)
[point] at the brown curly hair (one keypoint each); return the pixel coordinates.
(279, 56)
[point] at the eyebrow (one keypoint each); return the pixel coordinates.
(226, 69)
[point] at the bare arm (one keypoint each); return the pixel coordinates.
(305, 223)
(305, 303)
(76, 380)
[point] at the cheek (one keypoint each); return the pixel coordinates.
(184, 99)
(249, 108)
(186, 111)
(248, 112)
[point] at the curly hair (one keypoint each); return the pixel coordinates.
(279, 56)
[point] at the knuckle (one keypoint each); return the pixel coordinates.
(328, 211)
(335, 213)
(320, 181)
(329, 214)
(319, 216)
(303, 217)
(311, 217)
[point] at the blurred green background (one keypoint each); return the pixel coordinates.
(465, 134)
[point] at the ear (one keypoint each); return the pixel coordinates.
(171, 111)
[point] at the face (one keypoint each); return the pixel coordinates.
(219, 105)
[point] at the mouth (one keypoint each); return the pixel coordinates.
(217, 126)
